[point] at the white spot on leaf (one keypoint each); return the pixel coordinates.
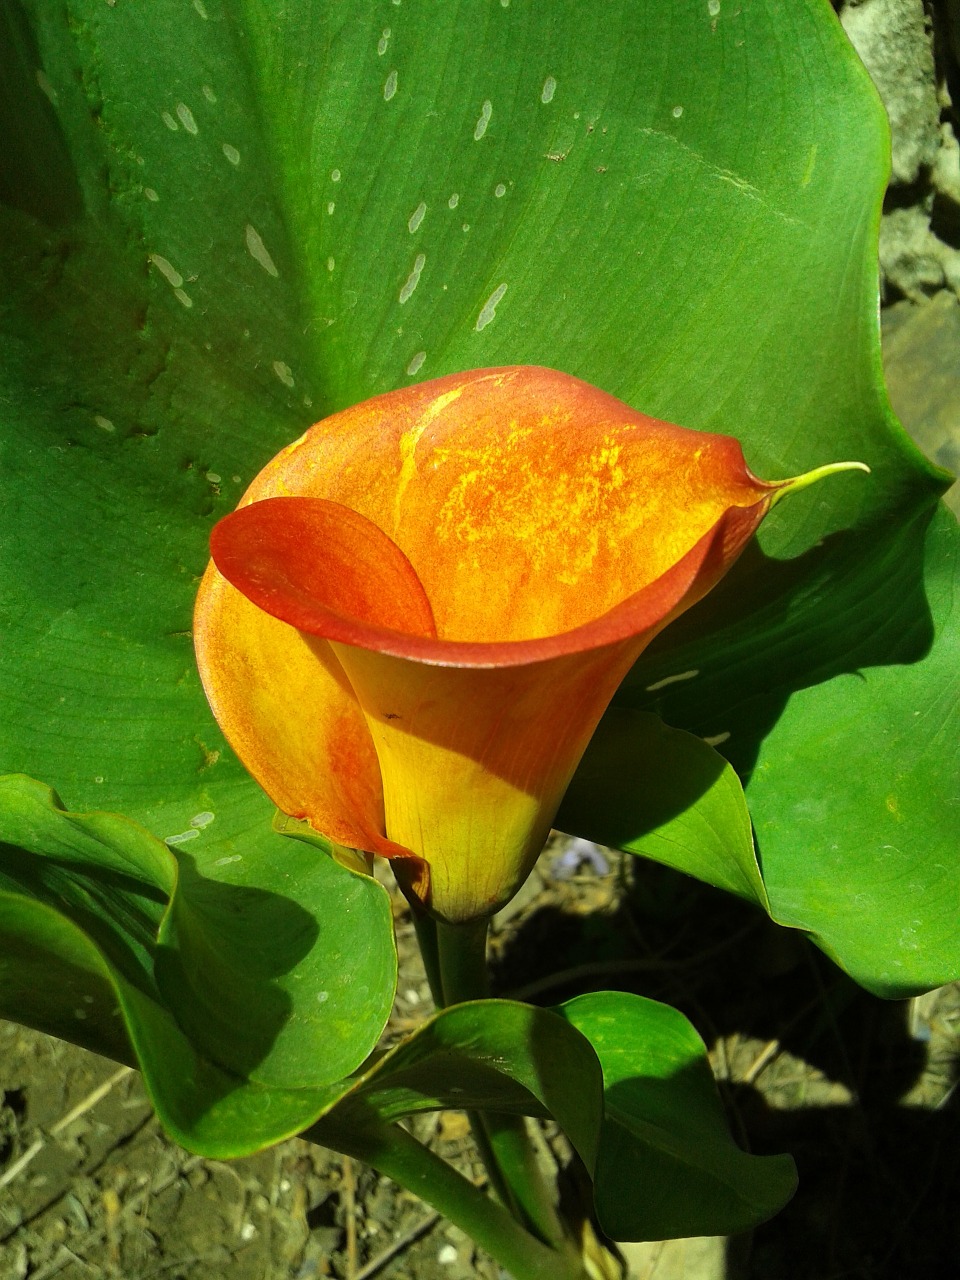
(486, 111)
(499, 190)
(549, 89)
(416, 364)
(201, 8)
(413, 279)
(454, 200)
(204, 819)
(258, 251)
(183, 298)
(383, 42)
(103, 423)
(232, 154)
(151, 194)
(169, 121)
(167, 270)
(390, 86)
(416, 217)
(335, 175)
(182, 837)
(489, 309)
(283, 372)
(677, 112)
(186, 118)
(209, 94)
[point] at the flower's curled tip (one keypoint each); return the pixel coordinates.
(813, 477)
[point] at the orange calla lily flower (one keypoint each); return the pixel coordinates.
(421, 609)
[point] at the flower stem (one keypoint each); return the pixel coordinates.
(426, 930)
(503, 1141)
(462, 958)
(394, 1152)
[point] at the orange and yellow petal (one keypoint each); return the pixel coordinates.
(422, 608)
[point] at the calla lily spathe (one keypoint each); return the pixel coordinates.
(420, 610)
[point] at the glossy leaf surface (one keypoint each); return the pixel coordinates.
(667, 1166)
(649, 1125)
(667, 795)
(493, 1055)
(221, 222)
(241, 998)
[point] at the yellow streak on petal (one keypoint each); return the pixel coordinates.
(408, 445)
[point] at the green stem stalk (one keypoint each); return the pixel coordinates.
(392, 1151)
(503, 1141)
(426, 930)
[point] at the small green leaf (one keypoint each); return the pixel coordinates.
(270, 969)
(656, 1140)
(494, 1055)
(667, 1166)
(100, 870)
(54, 979)
(206, 1109)
(665, 794)
(279, 963)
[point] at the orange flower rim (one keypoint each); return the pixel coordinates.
(416, 617)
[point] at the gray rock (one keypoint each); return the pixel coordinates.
(894, 39)
(921, 359)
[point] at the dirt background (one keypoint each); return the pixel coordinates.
(862, 1092)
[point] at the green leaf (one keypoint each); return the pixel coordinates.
(666, 795)
(283, 968)
(667, 1166)
(228, 221)
(494, 1055)
(242, 990)
(650, 1127)
(103, 872)
(866, 865)
(873, 874)
(54, 979)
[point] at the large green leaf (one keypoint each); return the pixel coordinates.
(222, 220)
(667, 795)
(667, 1166)
(647, 1121)
(242, 991)
(851, 781)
